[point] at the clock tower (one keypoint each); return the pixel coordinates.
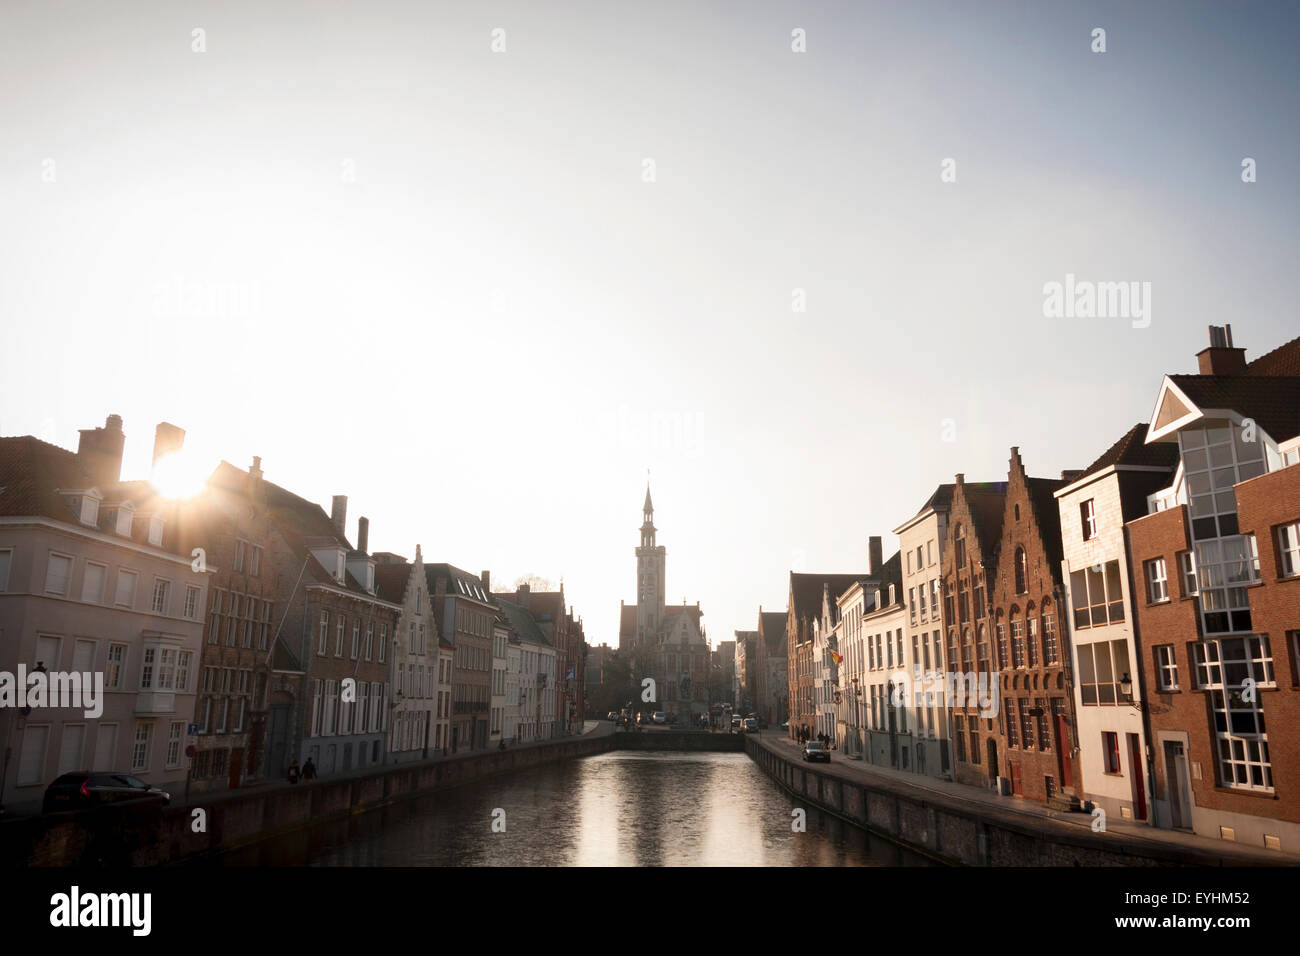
(650, 579)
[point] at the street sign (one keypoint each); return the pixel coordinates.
(191, 730)
(191, 750)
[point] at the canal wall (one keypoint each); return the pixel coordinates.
(145, 836)
(951, 830)
(126, 835)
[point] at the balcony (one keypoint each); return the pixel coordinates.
(155, 702)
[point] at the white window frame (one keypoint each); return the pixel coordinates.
(1157, 581)
(67, 581)
(124, 574)
(1167, 667)
(1288, 546)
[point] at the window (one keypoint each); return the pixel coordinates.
(239, 555)
(1103, 665)
(338, 643)
(1002, 646)
(191, 602)
(370, 637)
(356, 638)
(266, 623)
(316, 711)
(1097, 595)
(1088, 518)
(1110, 750)
(1157, 585)
(323, 647)
(1288, 541)
(6, 558)
(1051, 650)
(255, 561)
(57, 574)
(1223, 668)
(934, 597)
(959, 544)
(383, 642)
(140, 747)
(156, 532)
(1215, 458)
(162, 590)
(126, 582)
(1032, 644)
(1224, 569)
(1187, 561)
(114, 665)
(1166, 667)
(1044, 740)
(1017, 642)
(1022, 572)
(31, 759)
(92, 583)
(174, 732)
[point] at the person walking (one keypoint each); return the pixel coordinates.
(309, 770)
(293, 771)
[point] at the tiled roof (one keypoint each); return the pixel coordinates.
(940, 500)
(1042, 492)
(1131, 449)
(1273, 401)
(1283, 360)
(987, 503)
(522, 622)
(806, 590)
(33, 473)
(391, 581)
(459, 583)
(772, 628)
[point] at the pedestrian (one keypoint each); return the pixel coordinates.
(293, 771)
(309, 770)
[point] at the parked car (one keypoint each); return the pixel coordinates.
(813, 751)
(642, 718)
(611, 716)
(749, 725)
(81, 790)
(660, 717)
(735, 724)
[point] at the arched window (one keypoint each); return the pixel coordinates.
(959, 538)
(1022, 572)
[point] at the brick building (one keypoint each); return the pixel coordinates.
(1035, 731)
(563, 632)
(232, 524)
(1218, 564)
(466, 615)
(970, 562)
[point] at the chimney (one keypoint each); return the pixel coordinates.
(167, 440)
(874, 555)
(525, 589)
(100, 451)
(1221, 358)
(363, 534)
(339, 513)
(486, 577)
(961, 478)
(256, 489)
(1072, 474)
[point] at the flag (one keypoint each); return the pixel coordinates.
(570, 675)
(837, 658)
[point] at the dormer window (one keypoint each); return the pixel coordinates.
(90, 511)
(121, 516)
(156, 531)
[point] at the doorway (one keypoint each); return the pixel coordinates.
(1179, 784)
(1137, 773)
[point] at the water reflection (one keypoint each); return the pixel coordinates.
(624, 808)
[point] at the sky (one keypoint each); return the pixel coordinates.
(482, 266)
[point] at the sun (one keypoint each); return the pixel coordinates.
(178, 476)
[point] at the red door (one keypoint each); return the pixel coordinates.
(1138, 770)
(1016, 787)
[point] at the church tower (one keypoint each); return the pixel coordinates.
(650, 579)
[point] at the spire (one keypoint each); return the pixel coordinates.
(649, 505)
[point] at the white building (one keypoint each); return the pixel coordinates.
(415, 657)
(920, 541)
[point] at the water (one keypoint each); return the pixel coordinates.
(623, 808)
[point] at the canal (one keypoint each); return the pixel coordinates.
(623, 808)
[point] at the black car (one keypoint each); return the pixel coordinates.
(82, 790)
(814, 751)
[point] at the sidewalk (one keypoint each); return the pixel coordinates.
(1135, 834)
